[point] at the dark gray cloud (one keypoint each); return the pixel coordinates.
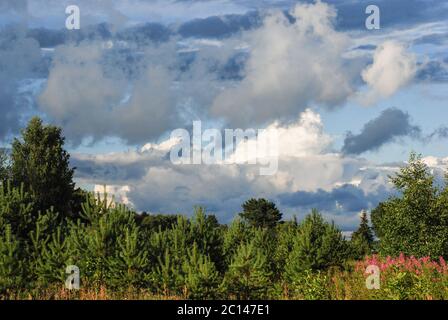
(347, 199)
(19, 58)
(220, 26)
(389, 125)
(434, 71)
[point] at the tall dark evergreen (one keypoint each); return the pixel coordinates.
(41, 164)
(362, 238)
(261, 213)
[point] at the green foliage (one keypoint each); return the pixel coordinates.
(319, 245)
(156, 222)
(16, 209)
(362, 239)
(415, 222)
(54, 257)
(309, 285)
(40, 162)
(5, 166)
(130, 263)
(11, 263)
(261, 213)
(201, 279)
(286, 236)
(46, 224)
(248, 276)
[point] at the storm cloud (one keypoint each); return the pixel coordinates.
(389, 125)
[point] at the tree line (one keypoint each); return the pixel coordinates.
(46, 223)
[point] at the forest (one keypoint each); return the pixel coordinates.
(47, 223)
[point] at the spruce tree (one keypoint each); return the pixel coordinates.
(362, 239)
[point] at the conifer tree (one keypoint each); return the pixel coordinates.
(236, 234)
(248, 276)
(362, 238)
(261, 213)
(318, 246)
(54, 258)
(200, 276)
(130, 263)
(16, 209)
(12, 265)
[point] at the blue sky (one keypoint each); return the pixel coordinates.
(351, 103)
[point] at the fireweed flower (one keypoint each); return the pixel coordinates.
(402, 263)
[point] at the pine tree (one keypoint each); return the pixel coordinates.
(12, 265)
(236, 234)
(261, 213)
(17, 209)
(130, 263)
(318, 246)
(201, 278)
(167, 275)
(248, 276)
(207, 235)
(362, 239)
(54, 258)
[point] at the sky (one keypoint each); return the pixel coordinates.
(349, 104)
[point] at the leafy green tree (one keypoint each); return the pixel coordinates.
(376, 216)
(261, 213)
(318, 246)
(248, 276)
(40, 162)
(362, 239)
(415, 222)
